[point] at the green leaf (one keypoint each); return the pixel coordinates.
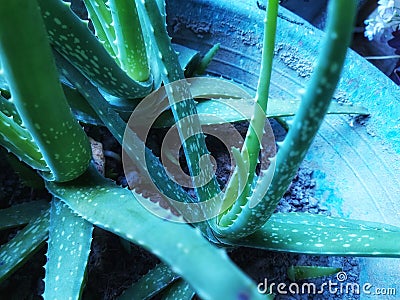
(185, 114)
(100, 15)
(252, 144)
(71, 37)
(182, 247)
(150, 284)
(306, 123)
(21, 214)
(68, 251)
(321, 235)
(37, 94)
(15, 252)
(206, 60)
(179, 290)
(20, 142)
(129, 39)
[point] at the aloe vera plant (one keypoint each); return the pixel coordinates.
(108, 74)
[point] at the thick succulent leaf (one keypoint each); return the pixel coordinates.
(25, 243)
(188, 58)
(8, 108)
(307, 121)
(150, 164)
(68, 251)
(206, 60)
(182, 247)
(37, 94)
(288, 108)
(151, 45)
(129, 39)
(81, 109)
(185, 114)
(21, 214)
(20, 142)
(150, 284)
(179, 290)
(100, 15)
(327, 221)
(72, 38)
(252, 144)
(317, 234)
(296, 273)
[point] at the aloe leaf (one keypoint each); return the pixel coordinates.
(68, 251)
(187, 57)
(71, 37)
(309, 234)
(149, 166)
(307, 121)
(81, 109)
(150, 284)
(129, 39)
(3, 81)
(37, 94)
(21, 214)
(19, 141)
(182, 247)
(206, 60)
(8, 108)
(151, 45)
(296, 273)
(252, 144)
(101, 18)
(185, 114)
(179, 290)
(25, 243)
(117, 127)
(327, 221)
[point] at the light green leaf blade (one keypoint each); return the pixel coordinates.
(68, 251)
(72, 38)
(21, 214)
(180, 246)
(25, 243)
(150, 284)
(37, 94)
(321, 235)
(179, 290)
